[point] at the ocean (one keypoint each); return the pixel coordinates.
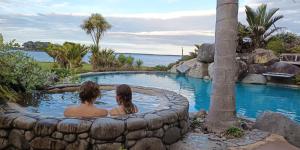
(149, 60)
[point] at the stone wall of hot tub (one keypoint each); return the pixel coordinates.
(154, 130)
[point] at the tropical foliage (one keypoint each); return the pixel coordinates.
(19, 74)
(122, 59)
(102, 59)
(161, 68)
(244, 40)
(95, 26)
(261, 24)
(192, 54)
(284, 43)
(129, 61)
(139, 63)
(69, 55)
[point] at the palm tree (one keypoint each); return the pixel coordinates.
(69, 55)
(262, 24)
(74, 53)
(222, 112)
(95, 26)
(58, 54)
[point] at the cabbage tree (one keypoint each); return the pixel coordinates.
(95, 26)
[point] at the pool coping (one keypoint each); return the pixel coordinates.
(118, 72)
(294, 86)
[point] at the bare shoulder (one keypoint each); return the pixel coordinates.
(69, 111)
(102, 112)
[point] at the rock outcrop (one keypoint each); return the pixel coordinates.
(198, 70)
(206, 53)
(279, 124)
(191, 68)
(211, 70)
(183, 68)
(255, 79)
(249, 66)
(257, 69)
(263, 56)
(282, 67)
(241, 70)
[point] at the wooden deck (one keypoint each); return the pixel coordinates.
(293, 59)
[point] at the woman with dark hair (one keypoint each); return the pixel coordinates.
(88, 93)
(124, 100)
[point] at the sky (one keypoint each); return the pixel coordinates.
(138, 26)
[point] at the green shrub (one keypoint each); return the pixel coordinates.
(122, 59)
(160, 68)
(276, 45)
(19, 74)
(295, 49)
(129, 60)
(297, 79)
(105, 58)
(234, 132)
(139, 63)
(61, 72)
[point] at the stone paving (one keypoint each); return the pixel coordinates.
(155, 130)
(201, 141)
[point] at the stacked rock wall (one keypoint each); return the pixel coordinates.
(154, 130)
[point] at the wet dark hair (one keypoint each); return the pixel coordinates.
(89, 91)
(125, 98)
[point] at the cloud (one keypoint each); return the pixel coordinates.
(169, 15)
(161, 36)
(168, 33)
(148, 32)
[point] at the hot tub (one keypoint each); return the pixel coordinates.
(157, 126)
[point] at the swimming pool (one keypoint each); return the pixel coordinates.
(251, 100)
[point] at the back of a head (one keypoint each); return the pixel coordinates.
(125, 95)
(89, 91)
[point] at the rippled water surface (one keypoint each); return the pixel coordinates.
(251, 100)
(54, 104)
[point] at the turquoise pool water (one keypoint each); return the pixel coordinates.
(251, 100)
(57, 102)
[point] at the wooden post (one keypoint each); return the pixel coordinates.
(181, 52)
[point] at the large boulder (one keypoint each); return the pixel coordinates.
(241, 70)
(206, 53)
(173, 69)
(257, 69)
(183, 68)
(282, 67)
(255, 79)
(192, 68)
(198, 70)
(211, 70)
(279, 124)
(263, 56)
